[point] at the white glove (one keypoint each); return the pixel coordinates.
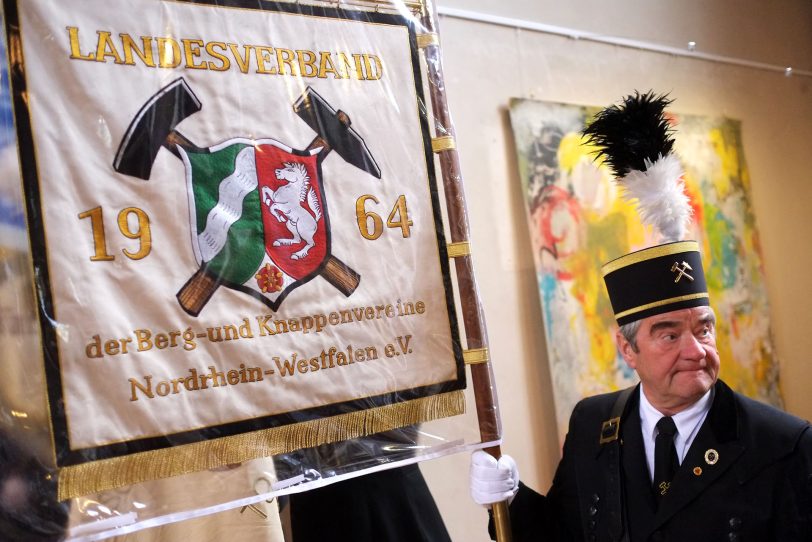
(491, 480)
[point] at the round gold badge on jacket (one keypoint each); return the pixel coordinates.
(711, 456)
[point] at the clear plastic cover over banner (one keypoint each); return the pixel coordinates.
(233, 262)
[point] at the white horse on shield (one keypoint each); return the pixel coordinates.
(293, 202)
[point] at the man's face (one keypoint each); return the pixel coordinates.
(676, 357)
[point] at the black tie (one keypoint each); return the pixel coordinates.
(665, 456)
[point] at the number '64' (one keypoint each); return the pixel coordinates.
(375, 229)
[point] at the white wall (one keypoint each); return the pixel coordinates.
(486, 65)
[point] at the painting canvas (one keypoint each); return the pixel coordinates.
(578, 222)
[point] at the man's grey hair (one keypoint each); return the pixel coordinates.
(629, 331)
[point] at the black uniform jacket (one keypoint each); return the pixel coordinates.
(387, 506)
(392, 505)
(746, 477)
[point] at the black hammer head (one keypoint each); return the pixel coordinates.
(152, 125)
(333, 127)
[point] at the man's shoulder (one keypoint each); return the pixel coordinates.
(765, 419)
(588, 419)
(597, 406)
(601, 400)
(771, 431)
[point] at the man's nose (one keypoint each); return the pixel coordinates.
(692, 348)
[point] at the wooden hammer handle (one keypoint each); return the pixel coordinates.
(197, 291)
(340, 275)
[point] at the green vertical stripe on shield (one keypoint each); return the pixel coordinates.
(244, 249)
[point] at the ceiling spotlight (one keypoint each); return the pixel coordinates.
(788, 71)
(691, 45)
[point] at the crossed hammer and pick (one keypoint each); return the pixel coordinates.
(154, 125)
(682, 271)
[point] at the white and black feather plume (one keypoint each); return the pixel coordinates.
(635, 140)
(628, 134)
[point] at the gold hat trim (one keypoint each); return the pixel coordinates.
(98, 476)
(661, 303)
(649, 254)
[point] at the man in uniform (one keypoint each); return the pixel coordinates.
(680, 456)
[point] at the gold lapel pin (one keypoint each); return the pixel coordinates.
(697, 471)
(711, 456)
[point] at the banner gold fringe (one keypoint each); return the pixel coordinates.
(97, 476)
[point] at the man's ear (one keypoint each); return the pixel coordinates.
(626, 350)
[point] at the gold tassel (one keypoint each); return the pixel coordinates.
(98, 476)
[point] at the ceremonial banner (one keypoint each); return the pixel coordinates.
(235, 231)
(578, 222)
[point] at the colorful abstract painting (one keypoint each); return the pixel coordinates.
(578, 222)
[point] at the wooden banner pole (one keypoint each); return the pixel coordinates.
(444, 144)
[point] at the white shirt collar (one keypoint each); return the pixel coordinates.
(687, 421)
